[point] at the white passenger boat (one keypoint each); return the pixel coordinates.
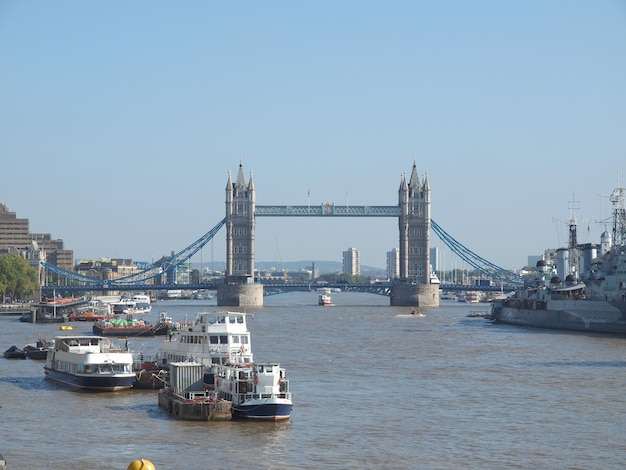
(213, 338)
(138, 304)
(91, 363)
(325, 299)
(257, 391)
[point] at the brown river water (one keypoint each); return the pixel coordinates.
(373, 387)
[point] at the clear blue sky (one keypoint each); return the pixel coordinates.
(119, 121)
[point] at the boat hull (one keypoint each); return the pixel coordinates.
(38, 354)
(96, 383)
(123, 331)
(577, 315)
(15, 353)
(194, 410)
(262, 411)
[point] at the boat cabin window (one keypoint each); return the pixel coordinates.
(218, 339)
(235, 339)
(221, 319)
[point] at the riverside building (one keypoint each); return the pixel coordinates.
(16, 239)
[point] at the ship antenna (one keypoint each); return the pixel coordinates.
(573, 242)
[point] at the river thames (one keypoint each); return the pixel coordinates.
(373, 387)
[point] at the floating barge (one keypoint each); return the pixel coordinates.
(185, 398)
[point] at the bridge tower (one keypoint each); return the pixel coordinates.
(413, 285)
(239, 288)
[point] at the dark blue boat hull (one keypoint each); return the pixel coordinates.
(98, 383)
(263, 412)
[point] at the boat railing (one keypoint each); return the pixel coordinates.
(263, 396)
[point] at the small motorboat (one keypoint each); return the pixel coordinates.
(39, 350)
(14, 353)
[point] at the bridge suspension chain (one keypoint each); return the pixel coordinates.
(153, 271)
(485, 267)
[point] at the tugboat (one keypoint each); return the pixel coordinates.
(257, 391)
(593, 302)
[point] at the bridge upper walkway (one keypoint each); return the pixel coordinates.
(328, 210)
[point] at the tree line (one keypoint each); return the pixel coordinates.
(18, 279)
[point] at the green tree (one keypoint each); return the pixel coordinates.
(18, 280)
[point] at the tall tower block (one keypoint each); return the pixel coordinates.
(413, 287)
(414, 225)
(239, 288)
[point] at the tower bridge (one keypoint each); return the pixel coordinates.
(413, 213)
(240, 288)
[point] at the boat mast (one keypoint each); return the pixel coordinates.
(573, 241)
(619, 216)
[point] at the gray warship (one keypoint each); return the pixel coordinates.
(591, 298)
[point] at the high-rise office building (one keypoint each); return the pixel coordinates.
(393, 264)
(15, 238)
(352, 261)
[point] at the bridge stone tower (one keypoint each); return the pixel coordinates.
(413, 286)
(239, 288)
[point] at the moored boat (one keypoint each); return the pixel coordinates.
(53, 311)
(593, 302)
(257, 391)
(94, 311)
(214, 338)
(472, 297)
(39, 350)
(185, 398)
(120, 327)
(14, 353)
(138, 304)
(164, 325)
(91, 363)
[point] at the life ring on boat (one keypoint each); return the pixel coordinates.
(217, 382)
(256, 380)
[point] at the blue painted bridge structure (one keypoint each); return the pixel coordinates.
(144, 280)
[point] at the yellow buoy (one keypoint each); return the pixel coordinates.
(141, 464)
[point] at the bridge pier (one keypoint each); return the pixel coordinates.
(415, 295)
(240, 295)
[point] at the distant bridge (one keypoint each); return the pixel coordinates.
(272, 288)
